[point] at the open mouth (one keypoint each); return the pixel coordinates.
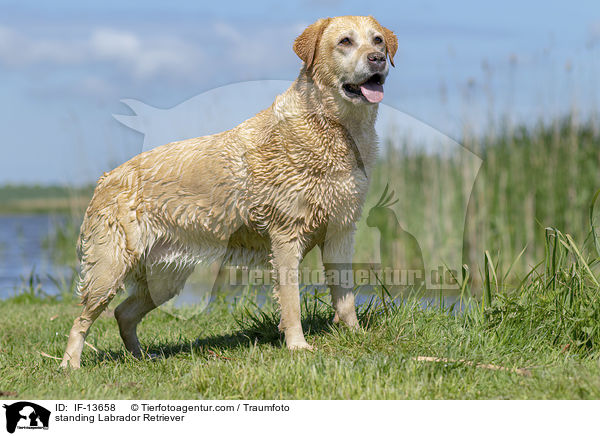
(371, 90)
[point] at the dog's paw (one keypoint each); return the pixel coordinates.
(300, 346)
(69, 364)
(350, 322)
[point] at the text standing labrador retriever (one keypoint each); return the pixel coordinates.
(292, 177)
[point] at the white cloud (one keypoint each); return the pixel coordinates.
(140, 56)
(17, 50)
(111, 43)
(216, 50)
(260, 49)
(11, 47)
(147, 57)
(227, 31)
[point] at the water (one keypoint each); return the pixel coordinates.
(21, 250)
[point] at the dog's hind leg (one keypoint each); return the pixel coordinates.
(159, 285)
(98, 285)
(130, 312)
(337, 253)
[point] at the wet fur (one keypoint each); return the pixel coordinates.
(269, 190)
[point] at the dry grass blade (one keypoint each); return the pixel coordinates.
(520, 371)
(51, 357)
(88, 344)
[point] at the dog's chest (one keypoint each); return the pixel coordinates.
(305, 193)
(335, 186)
(306, 173)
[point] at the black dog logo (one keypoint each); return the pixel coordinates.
(33, 416)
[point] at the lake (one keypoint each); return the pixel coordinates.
(21, 252)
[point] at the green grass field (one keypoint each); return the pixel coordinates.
(540, 340)
(529, 325)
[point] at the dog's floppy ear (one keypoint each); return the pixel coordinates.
(391, 43)
(305, 45)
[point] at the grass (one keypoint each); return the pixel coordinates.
(530, 176)
(547, 328)
(533, 306)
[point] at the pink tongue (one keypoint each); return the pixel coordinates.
(372, 92)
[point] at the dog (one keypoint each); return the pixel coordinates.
(293, 177)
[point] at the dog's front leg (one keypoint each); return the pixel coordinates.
(337, 251)
(286, 259)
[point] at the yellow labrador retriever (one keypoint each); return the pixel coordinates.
(292, 177)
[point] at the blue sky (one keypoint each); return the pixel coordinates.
(65, 66)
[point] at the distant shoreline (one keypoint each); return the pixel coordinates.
(36, 199)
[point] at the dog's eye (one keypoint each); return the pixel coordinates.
(377, 40)
(345, 41)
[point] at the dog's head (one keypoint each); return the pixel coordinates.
(348, 54)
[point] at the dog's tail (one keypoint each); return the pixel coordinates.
(109, 244)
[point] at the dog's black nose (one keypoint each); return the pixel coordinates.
(376, 60)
